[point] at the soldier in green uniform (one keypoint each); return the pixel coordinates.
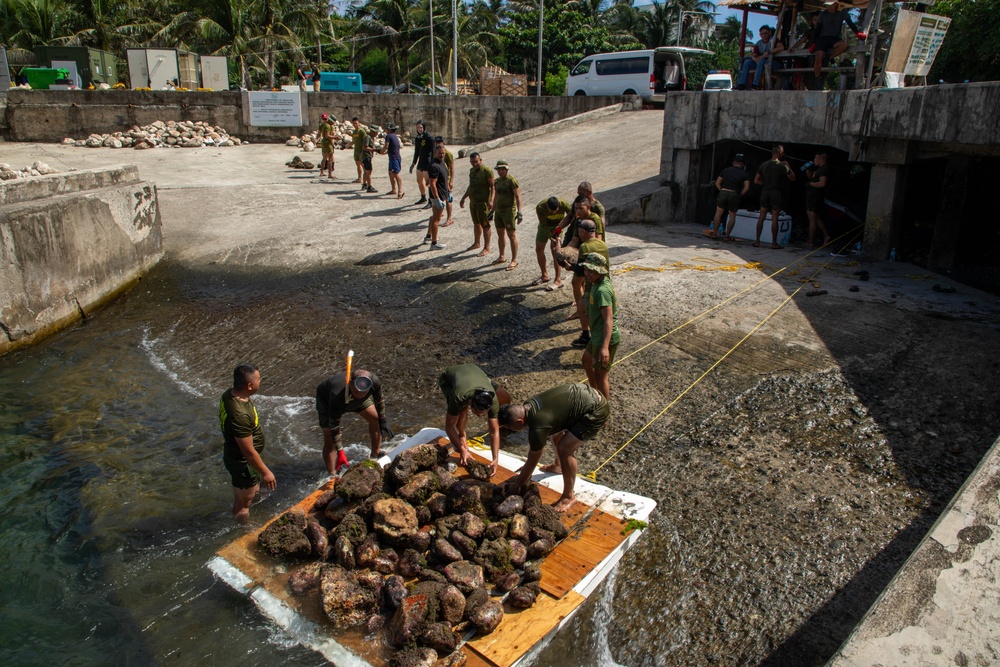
(326, 131)
(570, 414)
(243, 440)
(550, 213)
(466, 387)
(365, 399)
(480, 194)
(772, 175)
(506, 196)
(587, 230)
(358, 136)
(602, 311)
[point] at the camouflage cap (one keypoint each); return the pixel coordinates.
(595, 262)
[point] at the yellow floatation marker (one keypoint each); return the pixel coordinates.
(347, 377)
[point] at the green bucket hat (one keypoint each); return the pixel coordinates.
(595, 262)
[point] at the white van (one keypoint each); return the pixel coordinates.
(649, 73)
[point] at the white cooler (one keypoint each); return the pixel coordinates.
(746, 227)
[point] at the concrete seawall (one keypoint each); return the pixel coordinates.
(70, 243)
(51, 115)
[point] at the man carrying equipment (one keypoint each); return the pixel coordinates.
(466, 387)
(550, 213)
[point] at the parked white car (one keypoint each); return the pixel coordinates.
(650, 73)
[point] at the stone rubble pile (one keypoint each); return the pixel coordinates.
(38, 168)
(161, 134)
(342, 138)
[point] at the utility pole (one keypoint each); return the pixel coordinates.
(430, 3)
(541, 18)
(454, 47)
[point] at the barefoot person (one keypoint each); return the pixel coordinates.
(392, 147)
(602, 311)
(466, 387)
(365, 399)
(480, 194)
(772, 175)
(550, 213)
(506, 208)
(570, 414)
(244, 440)
(732, 184)
(819, 175)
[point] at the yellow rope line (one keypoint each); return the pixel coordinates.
(592, 475)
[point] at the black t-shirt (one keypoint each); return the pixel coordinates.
(733, 178)
(818, 193)
(440, 172)
(423, 147)
(316, 74)
(773, 174)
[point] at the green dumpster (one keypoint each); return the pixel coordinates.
(40, 78)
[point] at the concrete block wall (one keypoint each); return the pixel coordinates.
(51, 115)
(70, 243)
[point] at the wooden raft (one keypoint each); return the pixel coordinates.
(590, 541)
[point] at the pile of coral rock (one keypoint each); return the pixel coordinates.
(416, 553)
(160, 134)
(343, 137)
(38, 168)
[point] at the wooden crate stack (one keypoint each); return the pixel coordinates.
(493, 80)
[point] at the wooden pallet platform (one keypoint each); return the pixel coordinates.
(594, 535)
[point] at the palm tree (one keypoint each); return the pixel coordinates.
(696, 17)
(657, 25)
(390, 24)
(30, 23)
(730, 30)
(477, 38)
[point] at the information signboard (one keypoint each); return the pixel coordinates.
(274, 109)
(916, 41)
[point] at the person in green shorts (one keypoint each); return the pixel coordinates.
(358, 137)
(587, 231)
(551, 213)
(602, 310)
(466, 387)
(570, 414)
(243, 440)
(326, 132)
(506, 196)
(365, 399)
(772, 175)
(732, 184)
(479, 194)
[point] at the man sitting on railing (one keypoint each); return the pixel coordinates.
(829, 40)
(762, 52)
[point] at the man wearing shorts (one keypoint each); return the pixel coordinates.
(423, 153)
(772, 175)
(437, 188)
(243, 440)
(506, 208)
(392, 147)
(367, 153)
(365, 399)
(449, 163)
(358, 138)
(587, 231)
(326, 131)
(602, 311)
(570, 414)
(466, 387)
(480, 194)
(829, 25)
(550, 213)
(818, 175)
(732, 184)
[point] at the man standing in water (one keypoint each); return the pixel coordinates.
(244, 440)
(570, 414)
(466, 387)
(365, 399)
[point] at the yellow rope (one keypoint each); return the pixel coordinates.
(592, 475)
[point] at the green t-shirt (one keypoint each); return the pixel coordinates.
(551, 218)
(359, 139)
(238, 419)
(598, 208)
(505, 191)
(479, 184)
(594, 245)
(449, 161)
(597, 221)
(324, 128)
(773, 174)
(459, 384)
(557, 409)
(602, 294)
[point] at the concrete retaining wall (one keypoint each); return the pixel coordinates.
(68, 244)
(51, 115)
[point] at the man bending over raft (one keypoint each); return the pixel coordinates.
(570, 414)
(332, 401)
(466, 387)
